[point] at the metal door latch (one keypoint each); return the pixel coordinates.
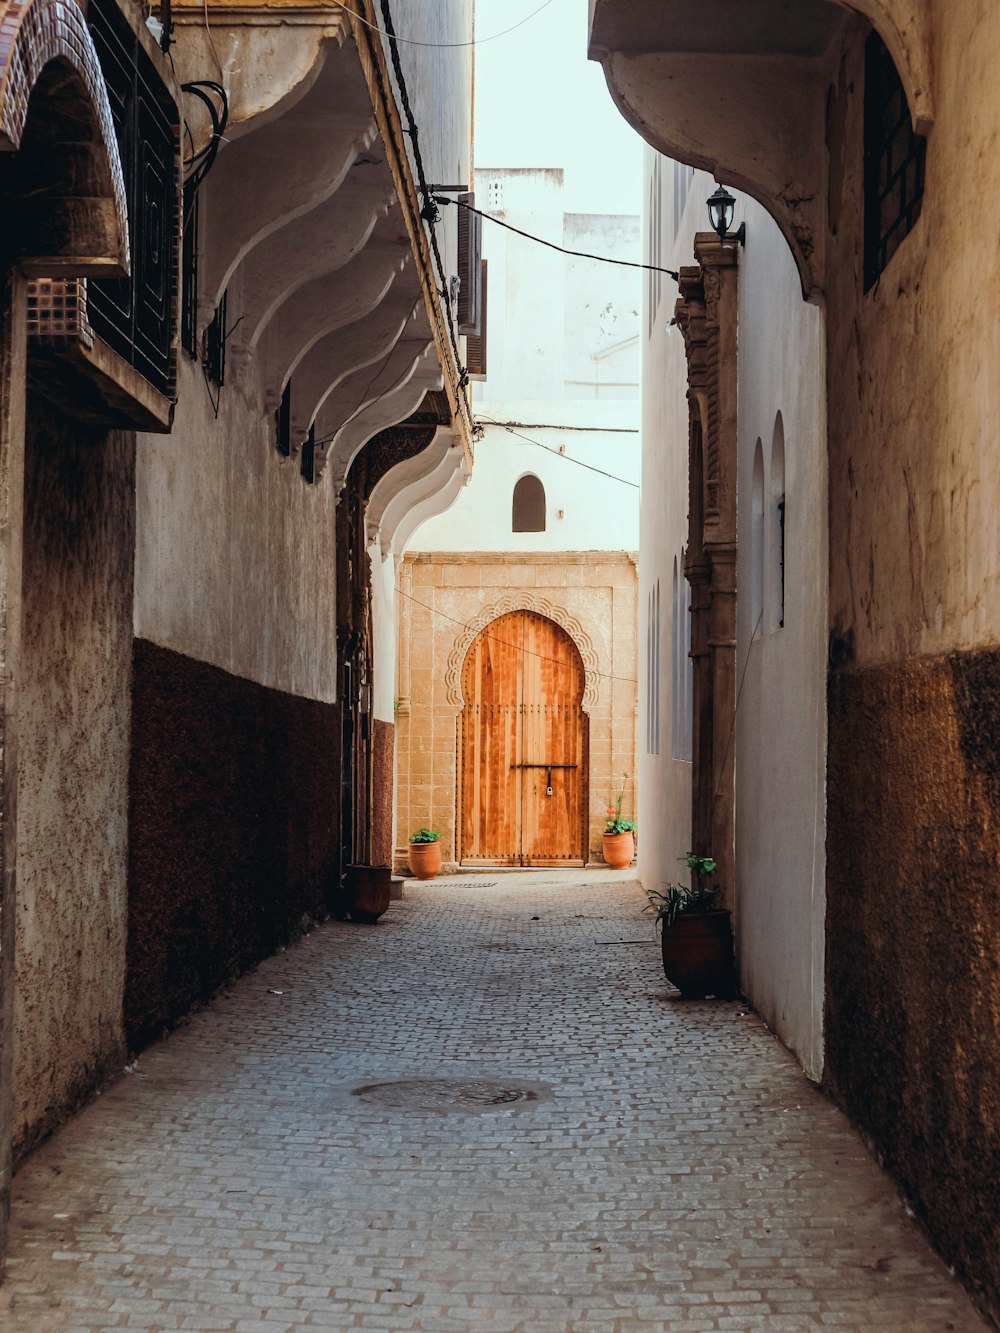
(548, 772)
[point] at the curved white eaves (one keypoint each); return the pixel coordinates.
(450, 477)
(402, 396)
(283, 169)
(391, 497)
(342, 352)
(339, 299)
(312, 245)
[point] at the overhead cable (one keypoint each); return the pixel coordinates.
(577, 254)
(476, 41)
(518, 648)
(558, 452)
(428, 212)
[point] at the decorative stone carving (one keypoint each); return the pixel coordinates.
(523, 601)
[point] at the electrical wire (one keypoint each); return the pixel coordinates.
(571, 666)
(568, 458)
(446, 46)
(577, 254)
(428, 212)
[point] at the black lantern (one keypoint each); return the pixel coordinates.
(721, 209)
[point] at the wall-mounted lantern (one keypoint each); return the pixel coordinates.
(721, 210)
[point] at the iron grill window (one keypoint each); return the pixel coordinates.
(283, 418)
(307, 462)
(135, 316)
(894, 161)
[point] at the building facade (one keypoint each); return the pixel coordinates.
(221, 332)
(517, 679)
(858, 694)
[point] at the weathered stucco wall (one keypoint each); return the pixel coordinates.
(235, 561)
(664, 761)
(913, 927)
(914, 390)
(73, 720)
(782, 566)
(445, 592)
(913, 922)
(233, 830)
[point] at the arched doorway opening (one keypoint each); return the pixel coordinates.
(524, 775)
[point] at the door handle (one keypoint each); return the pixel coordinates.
(548, 772)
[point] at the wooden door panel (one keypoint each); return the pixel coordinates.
(553, 718)
(491, 780)
(522, 730)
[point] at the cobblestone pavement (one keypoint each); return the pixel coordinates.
(665, 1167)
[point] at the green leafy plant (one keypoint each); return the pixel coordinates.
(424, 835)
(677, 898)
(615, 823)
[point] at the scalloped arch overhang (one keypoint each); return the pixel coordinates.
(524, 601)
(748, 102)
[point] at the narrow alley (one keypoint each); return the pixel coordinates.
(483, 1115)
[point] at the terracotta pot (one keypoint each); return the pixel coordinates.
(368, 889)
(425, 858)
(619, 849)
(698, 954)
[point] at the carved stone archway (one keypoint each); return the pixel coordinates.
(34, 34)
(520, 601)
(707, 316)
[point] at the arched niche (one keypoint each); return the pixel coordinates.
(62, 192)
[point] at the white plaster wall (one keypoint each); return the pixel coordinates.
(597, 514)
(384, 623)
(781, 720)
(664, 780)
(235, 551)
(602, 307)
(549, 316)
(439, 80)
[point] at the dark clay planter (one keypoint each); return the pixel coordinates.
(698, 954)
(368, 889)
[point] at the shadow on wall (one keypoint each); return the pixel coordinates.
(233, 830)
(913, 937)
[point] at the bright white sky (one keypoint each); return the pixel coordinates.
(541, 103)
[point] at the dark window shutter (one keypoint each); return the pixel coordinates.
(528, 510)
(475, 343)
(470, 256)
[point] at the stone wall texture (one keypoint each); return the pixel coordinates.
(73, 743)
(383, 764)
(233, 830)
(593, 594)
(913, 938)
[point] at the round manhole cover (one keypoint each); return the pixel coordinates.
(445, 1094)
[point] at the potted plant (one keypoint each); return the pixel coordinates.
(619, 834)
(425, 853)
(367, 889)
(696, 937)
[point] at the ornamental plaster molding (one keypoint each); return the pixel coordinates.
(523, 601)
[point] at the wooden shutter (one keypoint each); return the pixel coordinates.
(475, 343)
(470, 258)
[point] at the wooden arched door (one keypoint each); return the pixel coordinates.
(524, 772)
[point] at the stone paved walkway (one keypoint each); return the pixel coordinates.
(674, 1170)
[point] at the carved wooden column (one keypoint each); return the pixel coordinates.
(706, 314)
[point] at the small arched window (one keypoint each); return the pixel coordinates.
(528, 509)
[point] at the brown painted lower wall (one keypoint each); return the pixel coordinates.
(913, 938)
(233, 830)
